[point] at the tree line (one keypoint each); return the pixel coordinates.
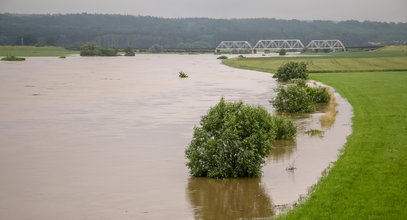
(121, 31)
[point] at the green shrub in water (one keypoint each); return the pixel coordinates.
(182, 75)
(282, 52)
(319, 94)
(13, 58)
(284, 128)
(233, 140)
(291, 70)
(222, 58)
(293, 99)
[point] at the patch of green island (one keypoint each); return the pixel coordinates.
(369, 179)
(13, 58)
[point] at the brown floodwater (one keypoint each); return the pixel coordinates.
(104, 138)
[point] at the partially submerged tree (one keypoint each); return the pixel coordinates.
(233, 140)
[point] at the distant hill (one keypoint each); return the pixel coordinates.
(144, 31)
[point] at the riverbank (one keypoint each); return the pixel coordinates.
(32, 51)
(368, 180)
(386, 59)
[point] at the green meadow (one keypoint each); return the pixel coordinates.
(32, 51)
(386, 59)
(369, 180)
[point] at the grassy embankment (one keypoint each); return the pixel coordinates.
(369, 180)
(386, 59)
(31, 51)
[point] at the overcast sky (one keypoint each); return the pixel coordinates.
(373, 10)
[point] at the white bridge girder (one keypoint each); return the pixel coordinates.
(293, 44)
(326, 44)
(234, 45)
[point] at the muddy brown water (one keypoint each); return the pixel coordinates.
(104, 138)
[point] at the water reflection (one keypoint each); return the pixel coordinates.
(282, 149)
(330, 110)
(228, 199)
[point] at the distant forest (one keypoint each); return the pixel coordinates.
(72, 30)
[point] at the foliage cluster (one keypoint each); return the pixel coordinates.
(91, 49)
(284, 128)
(299, 97)
(291, 70)
(182, 75)
(13, 58)
(233, 140)
(293, 99)
(282, 52)
(223, 57)
(129, 51)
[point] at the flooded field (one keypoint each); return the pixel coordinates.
(104, 138)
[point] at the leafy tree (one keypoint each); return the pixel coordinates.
(291, 70)
(233, 140)
(282, 52)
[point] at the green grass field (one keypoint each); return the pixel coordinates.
(386, 59)
(31, 51)
(369, 180)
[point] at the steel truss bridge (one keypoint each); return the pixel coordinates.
(288, 44)
(326, 44)
(234, 45)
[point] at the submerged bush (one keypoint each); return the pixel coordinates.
(293, 99)
(284, 128)
(182, 75)
(13, 58)
(222, 58)
(233, 140)
(291, 70)
(299, 98)
(282, 52)
(319, 94)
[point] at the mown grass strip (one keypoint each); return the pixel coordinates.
(31, 51)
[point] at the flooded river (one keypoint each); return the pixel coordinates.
(104, 138)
